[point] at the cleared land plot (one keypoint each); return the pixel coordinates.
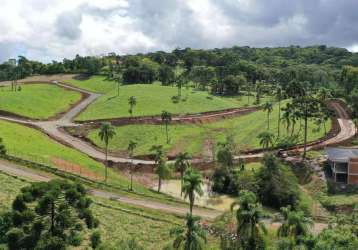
(196, 139)
(32, 145)
(98, 84)
(152, 99)
(38, 101)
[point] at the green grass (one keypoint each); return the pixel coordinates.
(97, 84)
(152, 99)
(32, 145)
(192, 138)
(10, 186)
(38, 101)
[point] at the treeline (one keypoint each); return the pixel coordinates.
(23, 67)
(222, 71)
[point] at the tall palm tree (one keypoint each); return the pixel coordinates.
(266, 139)
(193, 238)
(106, 133)
(181, 164)
(192, 185)
(166, 119)
(161, 167)
(295, 224)
(249, 225)
(131, 147)
(286, 118)
(279, 97)
(132, 101)
(268, 108)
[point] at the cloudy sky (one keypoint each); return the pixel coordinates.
(53, 29)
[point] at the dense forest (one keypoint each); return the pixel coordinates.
(222, 71)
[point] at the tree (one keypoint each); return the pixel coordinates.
(132, 101)
(306, 107)
(266, 139)
(180, 82)
(249, 225)
(166, 119)
(202, 75)
(49, 216)
(166, 75)
(279, 96)
(193, 238)
(295, 224)
(181, 164)
(277, 186)
(131, 147)
(268, 108)
(161, 168)
(106, 133)
(192, 185)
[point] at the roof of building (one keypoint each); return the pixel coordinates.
(341, 154)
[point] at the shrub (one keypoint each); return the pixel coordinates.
(277, 185)
(95, 239)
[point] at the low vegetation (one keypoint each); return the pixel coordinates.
(37, 101)
(97, 84)
(152, 99)
(196, 139)
(37, 147)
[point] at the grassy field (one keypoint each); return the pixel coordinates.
(97, 84)
(39, 101)
(196, 138)
(30, 144)
(152, 99)
(10, 186)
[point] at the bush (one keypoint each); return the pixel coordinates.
(277, 185)
(5, 225)
(95, 239)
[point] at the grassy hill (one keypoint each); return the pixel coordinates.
(32, 145)
(98, 84)
(195, 138)
(152, 99)
(38, 101)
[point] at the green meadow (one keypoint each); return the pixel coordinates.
(195, 138)
(98, 84)
(152, 99)
(38, 101)
(38, 147)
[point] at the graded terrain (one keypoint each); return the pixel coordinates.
(196, 138)
(37, 101)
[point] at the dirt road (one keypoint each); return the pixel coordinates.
(52, 128)
(16, 170)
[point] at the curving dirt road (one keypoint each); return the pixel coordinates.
(16, 170)
(53, 129)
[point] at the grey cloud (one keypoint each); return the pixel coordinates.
(68, 25)
(171, 23)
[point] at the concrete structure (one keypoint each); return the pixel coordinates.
(344, 164)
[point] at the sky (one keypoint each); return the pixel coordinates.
(48, 30)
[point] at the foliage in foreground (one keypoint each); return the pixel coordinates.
(48, 216)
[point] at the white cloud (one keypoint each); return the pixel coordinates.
(353, 48)
(54, 29)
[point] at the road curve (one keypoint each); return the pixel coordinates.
(53, 129)
(16, 170)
